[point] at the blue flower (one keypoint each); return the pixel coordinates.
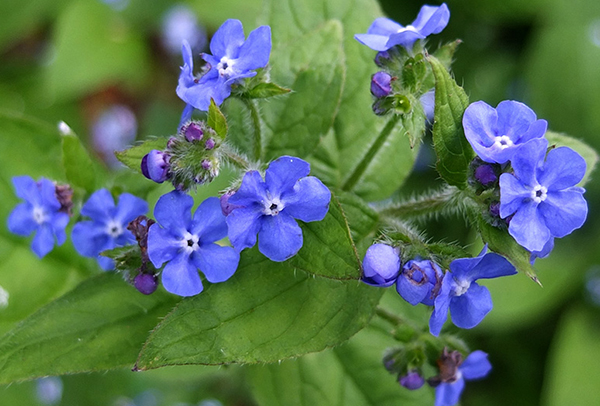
(188, 244)
(232, 60)
(108, 227)
(419, 282)
(542, 195)
(270, 207)
(385, 33)
(40, 213)
(468, 301)
(381, 265)
(496, 133)
(475, 366)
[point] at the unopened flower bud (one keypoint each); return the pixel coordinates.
(382, 58)
(155, 166)
(381, 84)
(412, 380)
(485, 174)
(381, 265)
(146, 283)
(209, 144)
(64, 195)
(206, 164)
(171, 143)
(227, 207)
(193, 132)
(495, 209)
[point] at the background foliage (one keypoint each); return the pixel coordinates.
(71, 59)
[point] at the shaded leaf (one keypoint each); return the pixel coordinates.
(80, 170)
(216, 120)
(265, 90)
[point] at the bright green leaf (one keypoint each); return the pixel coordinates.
(132, 157)
(265, 90)
(587, 152)
(452, 148)
(80, 170)
(216, 120)
(99, 325)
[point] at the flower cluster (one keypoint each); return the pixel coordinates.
(538, 196)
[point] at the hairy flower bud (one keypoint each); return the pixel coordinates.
(381, 84)
(155, 166)
(145, 283)
(193, 132)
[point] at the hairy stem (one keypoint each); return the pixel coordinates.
(388, 316)
(444, 200)
(257, 127)
(236, 159)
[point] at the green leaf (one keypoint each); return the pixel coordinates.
(80, 170)
(452, 148)
(362, 219)
(266, 312)
(587, 152)
(99, 325)
(265, 90)
(445, 53)
(216, 120)
(132, 157)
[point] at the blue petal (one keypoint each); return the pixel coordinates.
(529, 228)
(256, 50)
(181, 277)
(252, 191)
(448, 394)
(475, 366)
(564, 212)
(309, 200)
(381, 265)
(209, 222)
(243, 225)
(107, 264)
(410, 290)
(173, 212)
(544, 252)
(90, 238)
(480, 122)
(405, 38)
(186, 115)
(488, 266)
(441, 305)
(280, 237)
(228, 39)
(563, 168)
(468, 310)
(210, 86)
(162, 245)
(384, 26)
(48, 194)
(527, 159)
(27, 189)
(514, 119)
(59, 222)
(432, 19)
(375, 42)
(283, 173)
(129, 208)
(20, 220)
(43, 242)
(100, 206)
(513, 194)
(216, 263)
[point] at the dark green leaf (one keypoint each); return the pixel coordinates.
(362, 219)
(452, 148)
(266, 312)
(80, 170)
(445, 53)
(132, 157)
(587, 152)
(265, 90)
(216, 120)
(99, 325)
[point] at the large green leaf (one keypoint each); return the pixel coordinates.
(99, 325)
(81, 171)
(451, 146)
(266, 312)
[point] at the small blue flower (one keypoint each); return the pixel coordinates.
(40, 213)
(270, 207)
(385, 33)
(468, 302)
(232, 60)
(542, 194)
(381, 265)
(419, 282)
(108, 227)
(188, 244)
(475, 366)
(496, 133)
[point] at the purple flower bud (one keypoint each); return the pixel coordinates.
(155, 166)
(171, 143)
(485, 174)
(495, 209)
(381, 265)
(64, 195)
(227, 207)
(381, 84)
(412, 380)
(209, 144)
(193, 132)
(382, 58)
(145, 283)
(206, 164)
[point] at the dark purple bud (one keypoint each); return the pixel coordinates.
(382, 58)
(206, 164)
(64, 195)
(412, 380)
(155, 166)
(146, 283)
(227, 207)
(495, 209)
(193, 132)
(209, 144)
(171, 143)
(485, 174)
(381, 84)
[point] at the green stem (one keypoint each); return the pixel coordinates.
(364, 163)
(257, 127)
(446, 199)
(236, 159)
(388, 316)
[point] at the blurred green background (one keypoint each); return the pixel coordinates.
(108, 71)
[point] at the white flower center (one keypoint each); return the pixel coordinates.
(225, 67)
(189, 243)
(461, 287)
(39, 215)
(273, 207)
(539, 193)
(114, 229)
(407, 28)
(502, 142)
